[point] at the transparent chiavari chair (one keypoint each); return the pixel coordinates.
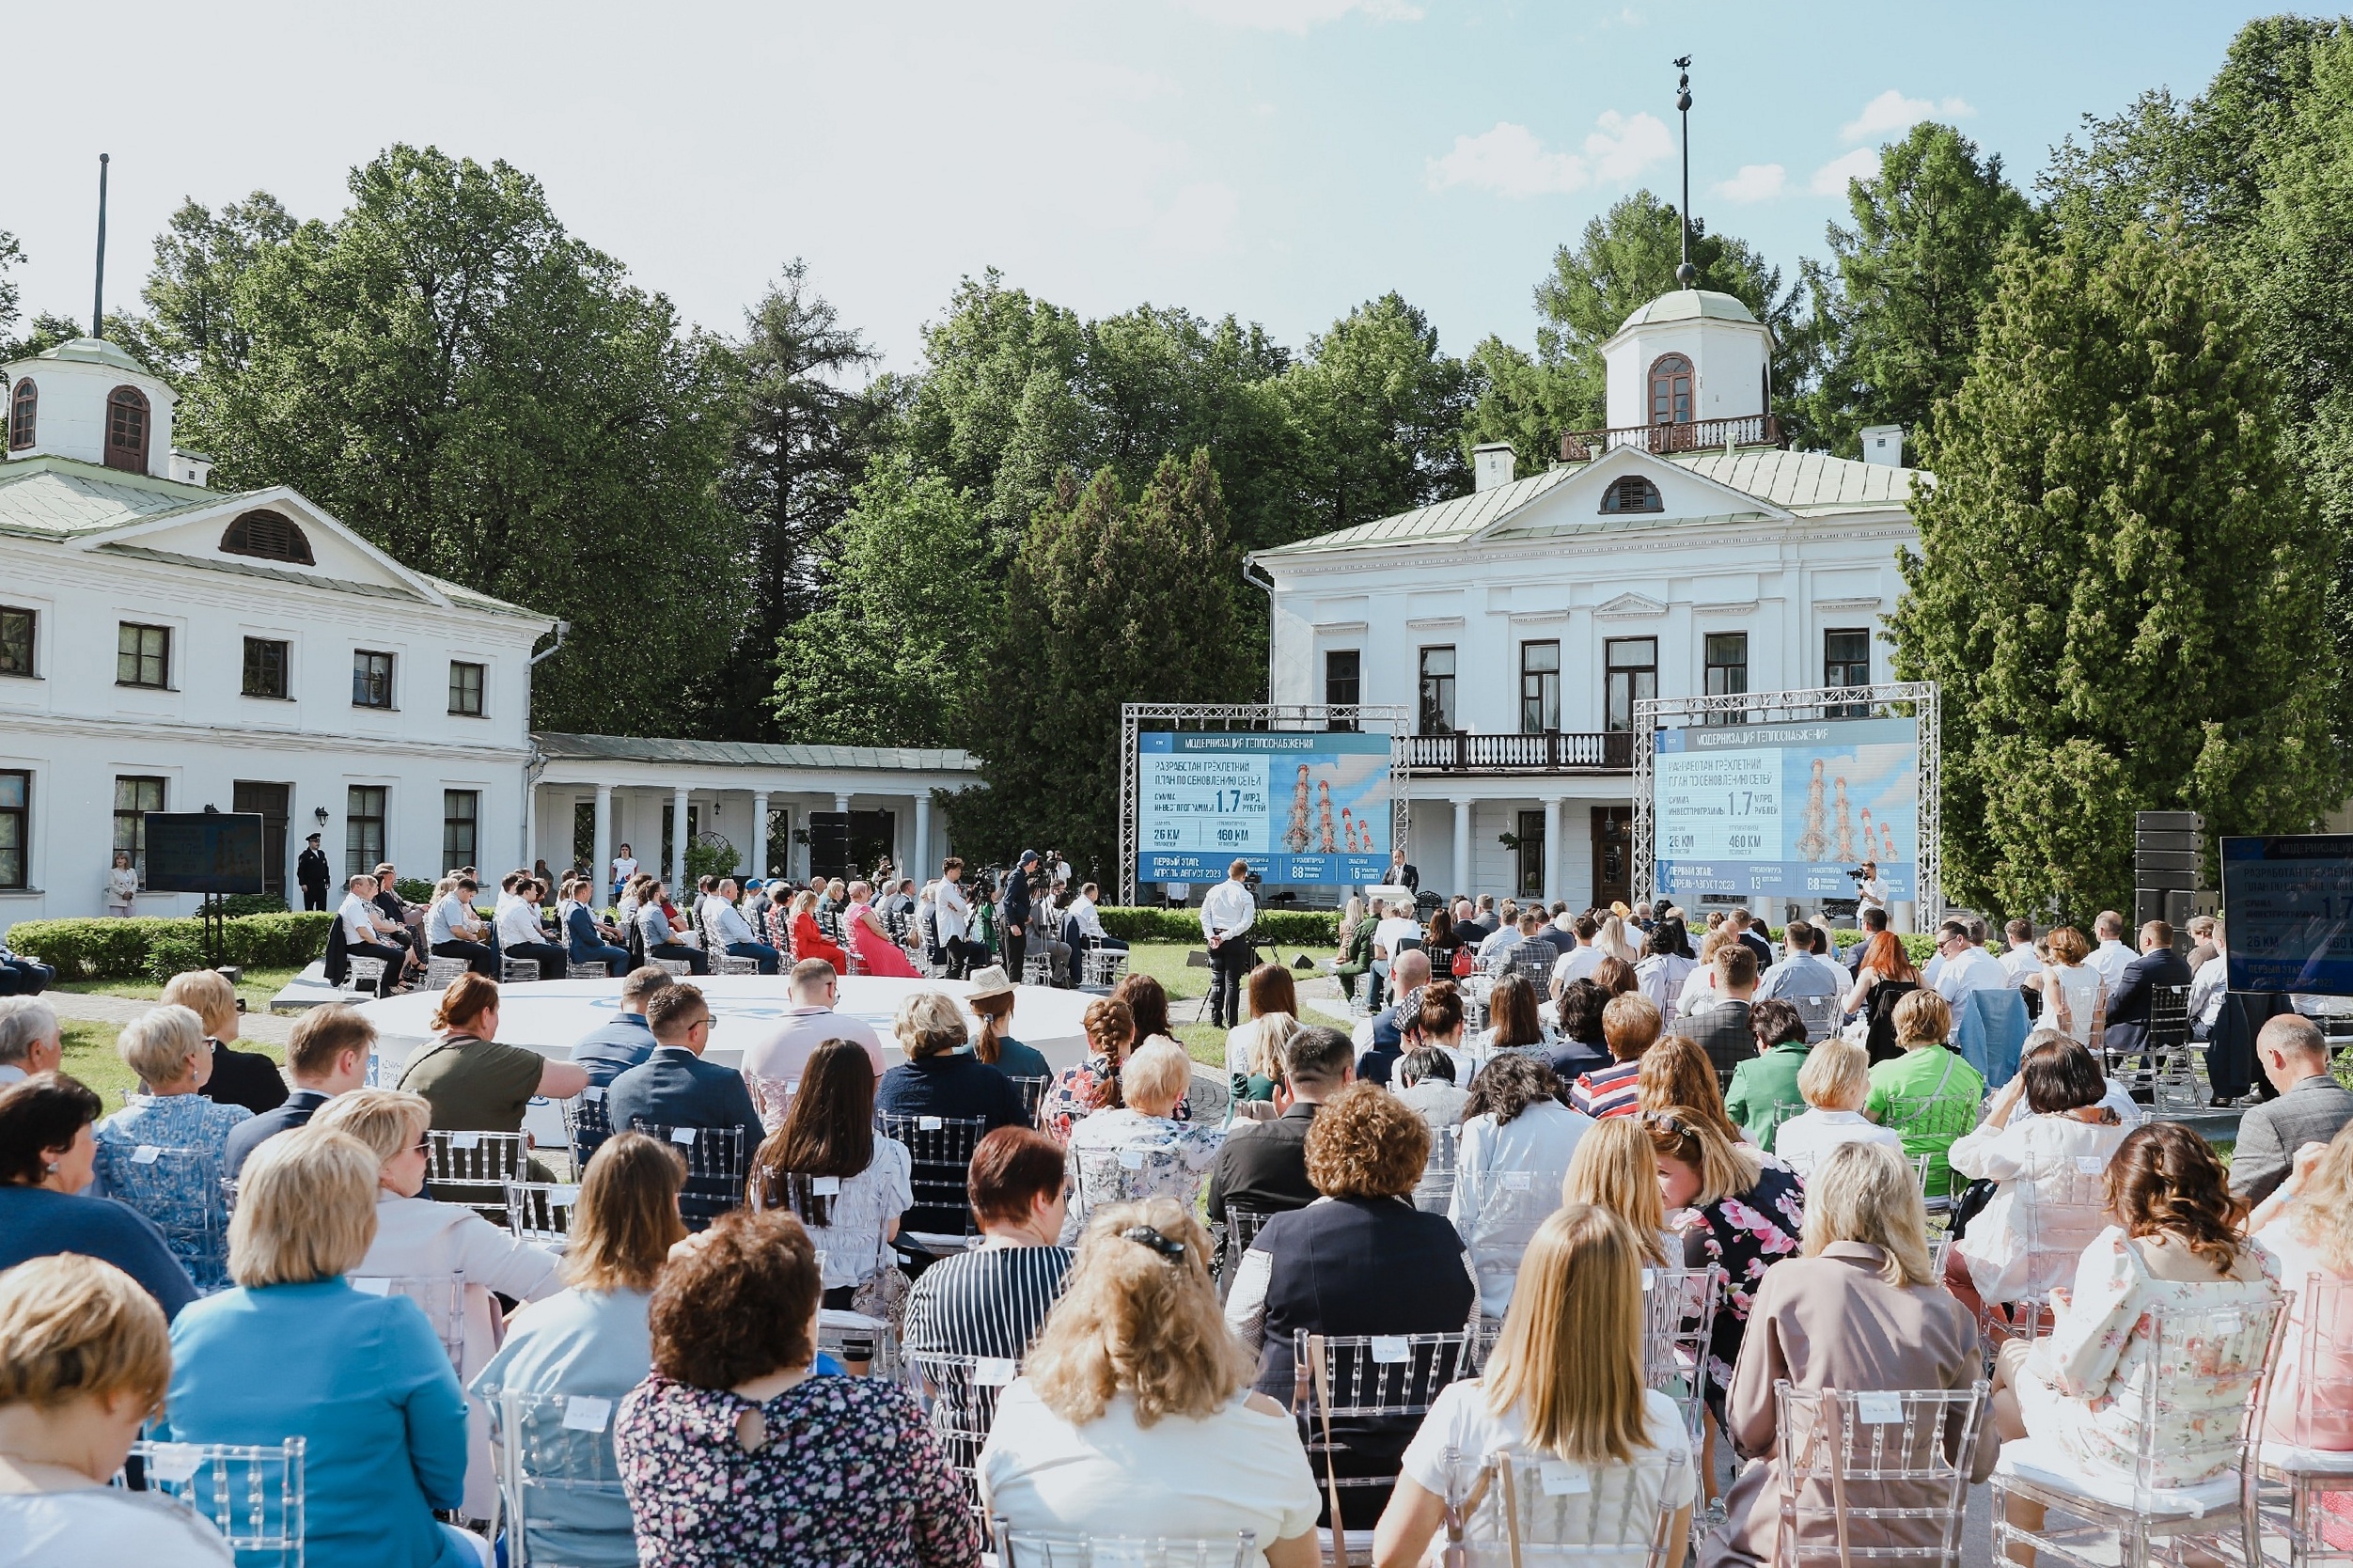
(558, 1478)
(253, 1495)
(474, 1169)
(1507, 1510)
(716, 1162)
(1874, 1478)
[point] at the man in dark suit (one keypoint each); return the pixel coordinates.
(312, 875)
(326, 1055)
(2312, 1107)
(1408, 975)
(674, 1087)
(2129, 1004)
(1263, 1164)
(1481, 924)
(1753, 939)
(626, 1042)
(1869, 923)
(1723, 1030)
(1404, 874)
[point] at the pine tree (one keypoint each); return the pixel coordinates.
(2120, 583)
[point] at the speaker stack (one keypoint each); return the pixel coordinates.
(2167, 847)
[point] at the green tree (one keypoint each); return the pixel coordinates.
(191, 293)
(1106, 603)
(1908, 282)
(12, 299)
(2112, 496)
(448, 371)
(1376, 410)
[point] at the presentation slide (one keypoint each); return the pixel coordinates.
(1785, 811)
(2289, 902)
(1303, 809)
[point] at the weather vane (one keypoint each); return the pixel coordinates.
(1686, 275)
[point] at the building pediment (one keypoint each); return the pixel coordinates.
(277, 531)
(1627, 488)
(1629, 607)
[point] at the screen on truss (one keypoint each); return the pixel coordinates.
(2290, 902)
(1786, 810)
(203, 852)
(1309, 809)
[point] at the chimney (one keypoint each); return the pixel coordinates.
(1884, 445)
(191, 467)
(1491, 464)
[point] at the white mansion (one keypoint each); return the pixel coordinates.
(165, 647)
(1678, 552)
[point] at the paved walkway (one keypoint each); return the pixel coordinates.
(258, 1026)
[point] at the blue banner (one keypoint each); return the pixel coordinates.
(1786, 810)
(2290, 905)
(1302, 809)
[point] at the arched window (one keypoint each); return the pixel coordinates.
(126, 430)
(268, 536)
(1670, 390)
(23, 403)
(1632, 493)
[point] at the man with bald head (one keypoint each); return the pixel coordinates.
(1407, 976)
(2310, 1109)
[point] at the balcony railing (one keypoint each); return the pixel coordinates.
(1554, 751)
(1700, 436)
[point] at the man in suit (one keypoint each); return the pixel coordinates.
(1481, 924)
(326, 1055)
(1387, 1031)
(2312, 1107)
(1744, 925)
(2128, 999)
(1869, 923)
(674, 1087)
(626, 1042)
(1401, 874)
(312, 875)
(1263, 1164)
(1723, 1030)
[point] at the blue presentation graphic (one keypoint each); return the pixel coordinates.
(1306, 809)
(1785, 811)
(2290, 900)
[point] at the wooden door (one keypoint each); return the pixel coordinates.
(1614, 856)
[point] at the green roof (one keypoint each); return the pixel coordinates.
(752, 754)
(92, 351)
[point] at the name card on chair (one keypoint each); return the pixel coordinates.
(145, 1154)
(2090, 1164)
(1131, 1159)
(824, 1186)
(586, 1413)
(1389, 1349)
(465, 1140)
(1518, 1181)
(930, 1124)
(684, 1135)
(371, 1287)
(593, 1095)
(994, 1372)
(1879, 1409)
(1560, 1478)
(173, 1463)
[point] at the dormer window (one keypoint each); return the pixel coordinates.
(1670, 390)
(126, 430)
(1632, 493)
(23, 403)
(268, 536)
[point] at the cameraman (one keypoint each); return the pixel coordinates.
(1870, 892)
(1227, 911)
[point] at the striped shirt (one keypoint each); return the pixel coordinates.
(1612, 1091)
(991, 1301)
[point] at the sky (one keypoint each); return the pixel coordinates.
(1278, 160)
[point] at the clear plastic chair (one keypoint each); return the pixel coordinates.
(558, 1478)
(717, 1164)
(2057, 1209)
(939, 1148)
(1679, 1307)
(1032, 1092)
(1874, 1478)
(474, 1169)
(588, 1123)
(1232, 1236)
(678, 968)
(1821, 1016)
(2200, 1359)
(541, 1210)
(440, 972)
(2312, 1405)
(959, 1394)
(442, 1297)
(1507, 1510)
(591, 968)
(1436, 1189)
(848, 1336)
(1496, 1214)
(1021, 1548)
(367, 975)
(513, 971)
(1037, 968)
(1353, 1379)
(252, 1495)
(723, 963)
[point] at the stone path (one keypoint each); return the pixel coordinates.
(258, 1026)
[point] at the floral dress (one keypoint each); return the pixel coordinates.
(850, 1474)
(165, 1155)
(1744, 1236)
(1079, 1092)
(1121, 1155)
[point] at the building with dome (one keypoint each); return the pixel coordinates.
(1683, 550)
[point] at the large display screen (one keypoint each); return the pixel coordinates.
(2289, 902)
(1308, 810)
(203, 852)
(1786, 810)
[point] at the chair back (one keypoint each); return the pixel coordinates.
(2060, 1206)
(590, 969)
(1873, 1478)
(1232, 1237)
(1679, 1307)
(558, 1449)
(441, 1296)
(959, 1395)
(439, 972)
(771, 1097)
(716, 1164)
(1508, 1510)
(1535, 971)
(1436, 1189)
(1106, 1176)
(1021, 1548)
(588, 1123)
(678, 968)
(474, 1169)
(252, 1495)
(181, 1190)
(2198, 1387)
(1821, 1016)
(838, 1329)
(1356, 1377)
(725, 962)
(939, 1149)
(541, 1210)
(513, 971)
(1032, 1092)
(2313, 1409)
(1500, 1212)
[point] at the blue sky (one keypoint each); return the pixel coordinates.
(1278, 158)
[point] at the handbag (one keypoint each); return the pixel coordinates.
(1465, 962)
(1968, 1203)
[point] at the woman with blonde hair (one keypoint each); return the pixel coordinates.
(84, 1358)
(808, 939)
(1133, 1415)
(1927, 1092)
(2306, 1228)
(1138, 1149)
(1564, 1385)
(1836, 1083)
(1615, 1169)
(1272, 993)
(245, 1078)
(1614, 942)
(163, 1154)
(1861, 1311)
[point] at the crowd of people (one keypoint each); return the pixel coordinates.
(1116, 1312)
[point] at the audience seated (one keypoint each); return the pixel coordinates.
(31, 1039)
(2175, 1243)
(1423, 1080)
(1804, 972)
(20, 975)
(1738, 1215)
(2073, 993)
(84, 1358)
(1355, 959)
(2311, 1106)
(1138, 1150)
(1928, 1092)
(587, 939)
(1132, 1414)
(474, 1084)
(662, 935)
(454, 928)
(326, 1055)
(1675, 1072)
(1764, 1090)
(2067, 1135)
(164, 1153)
(1517, 1141)
(1095, 1084)
(773, 1062)
(417, 1238)
(2307, 1232)
(809, 941)
(1517, 1020)
(993, 1299)
(1564, 1384)
(728, 932)
(1579, 1046)
(1883, 977)
(1630, 1027)
(245, 1078)
(1436, 1024)
(1667, 965)
(1147, 1004)
(849, 1185)
(674, 1087)
(47, 1155)
(991, 1000)
(1269, 990)
(1262, 1166)
(1384, 1032)
(941, 1077)
(606, 1052)
(1723, 1030)
(734, 1453)
(1836, 1083)
(877, 954)
(294, 1351)
(1254, 1079)
(1616, 1168)
(1859, 1311)
(369, 932)
(593, 1339)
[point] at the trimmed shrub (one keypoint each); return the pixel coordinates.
(1288, 928)
(172, 953)
(237, 904)
(118, 949)
(413, 889)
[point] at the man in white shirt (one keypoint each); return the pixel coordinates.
(734, 933)
(1870, 891)
(2209, 985)
(1227, 912)
(366, 930)
(1801, 971)
(2112, 958)
(954, 921)
(2021, 960)
(521, 935)
(1580, 960)
(1966, 966)
(1088, 919)
(806, 1025)
(30, 1041)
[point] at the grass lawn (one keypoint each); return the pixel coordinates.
(1166, 962)
(257, 987)
(89, 1055)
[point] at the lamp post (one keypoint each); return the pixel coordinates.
(1686, 275)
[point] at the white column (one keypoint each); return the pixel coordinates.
(840, 802)
(1463, 879)
(923, 867)
(1556, 851)
(601, 874)
(677, 844)
(759, 834)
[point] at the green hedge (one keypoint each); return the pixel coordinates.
(1290, 928)
(119, 949)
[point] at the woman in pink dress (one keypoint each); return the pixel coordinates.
(877, 953)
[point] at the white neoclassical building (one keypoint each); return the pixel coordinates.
(1680, 550)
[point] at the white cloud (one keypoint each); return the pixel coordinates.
(1510, 161)
(1831, 178)
(1296, 16)
(1754, 182)
(1892, 111)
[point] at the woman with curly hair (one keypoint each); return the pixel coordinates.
(1517, 1141)
(1133, 1416)
(2177, 1243)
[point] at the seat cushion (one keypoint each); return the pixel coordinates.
(2321, 1462)
(2046, 1465)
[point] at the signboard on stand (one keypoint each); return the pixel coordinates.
(1302, 809)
